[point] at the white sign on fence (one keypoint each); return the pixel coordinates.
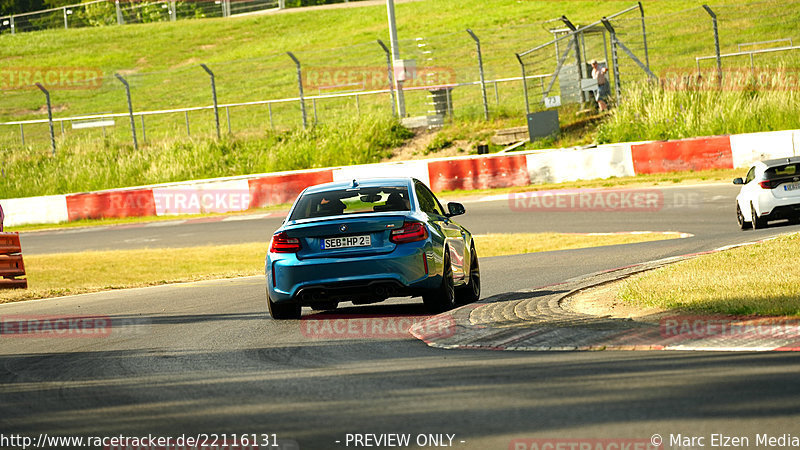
(552, 102)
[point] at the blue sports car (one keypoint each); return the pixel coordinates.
(364, 241)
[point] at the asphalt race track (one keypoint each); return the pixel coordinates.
(206, 358)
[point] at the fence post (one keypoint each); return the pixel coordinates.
(281, 4)
(144, 133)
(644, 37)
(524, 84)
(130, 109)
(614, 59)
(22, 134)
(49, 117)
(391, 76)
(228, 117)
(271, 123)
(214, 97)
(300, 88)
(13, 28)
(173, 11)
(716, 41)
(66, 25)
(188, 130)
(483, 78)
(120, 19)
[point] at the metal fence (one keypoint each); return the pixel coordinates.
(681, 47)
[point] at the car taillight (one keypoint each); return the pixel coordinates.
(766, 184)
(411, 232)
(282, 243)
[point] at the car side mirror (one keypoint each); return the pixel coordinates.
(738, 181)
(455, 209)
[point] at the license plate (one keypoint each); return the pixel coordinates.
(346, 241)
(792, 186)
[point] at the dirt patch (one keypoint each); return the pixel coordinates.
(602, 301)
(419, 147)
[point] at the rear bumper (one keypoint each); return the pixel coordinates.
(790, 211)
(396, 274)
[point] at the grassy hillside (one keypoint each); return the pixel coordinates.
(248, 56)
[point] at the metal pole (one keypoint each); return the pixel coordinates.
(228, 117)
(391, 76)
(62, 128)
(271, 123)
(214, 96)
(615, 61)
(401, 101)
(483, 78)
(186, 115)
(300, 88)
(49, 117)
(130, 109)
(173, 11)
(524, 84)
(358, 105)
(644, 37)
(315, 111)
(13, 27)
(281, 4)
(66, 25)
(716, 41)
(22, 134)
(120, 19)
(496, 94)
(144, 133)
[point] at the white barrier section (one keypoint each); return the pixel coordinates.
(752, 147)
(199, 198)
(417, 169)
(35, 210)
(558, 166)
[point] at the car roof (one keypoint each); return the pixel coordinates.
(781, 161)
(361, 182)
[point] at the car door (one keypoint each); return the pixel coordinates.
(748, 193)
(454, 238)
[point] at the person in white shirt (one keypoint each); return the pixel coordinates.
(599, 74)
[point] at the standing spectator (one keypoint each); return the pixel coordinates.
(599, 74)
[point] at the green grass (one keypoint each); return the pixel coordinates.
(760, 279)
(76, 273)
(353, 142)
(652, 112)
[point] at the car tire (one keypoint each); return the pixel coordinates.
(283, 311)
(472, 291)
(755, 220)
(325, 306)
(740, 218)
(444, 297)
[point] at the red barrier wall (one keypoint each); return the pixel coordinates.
(111, 204)
(684, 155)
(279, 189)
(479, 173)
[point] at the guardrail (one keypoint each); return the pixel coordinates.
(11, 264)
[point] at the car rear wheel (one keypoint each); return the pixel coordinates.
(283, 311)
(740, 218)
(443, 298)
(472, 291)
(756, 221)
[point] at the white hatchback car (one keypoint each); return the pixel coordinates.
(770, 191)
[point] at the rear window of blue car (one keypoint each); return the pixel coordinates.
(352, 201)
